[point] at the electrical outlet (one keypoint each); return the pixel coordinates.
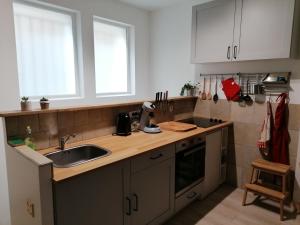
(134, 115)
(30, 208)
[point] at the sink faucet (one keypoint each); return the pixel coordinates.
(63, 140)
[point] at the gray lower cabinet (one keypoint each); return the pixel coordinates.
(138, 191)
(152, 186)
(97, 197)
(153, 194)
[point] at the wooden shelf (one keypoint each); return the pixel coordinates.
(266, 191)
(277, 168)
(83, 107)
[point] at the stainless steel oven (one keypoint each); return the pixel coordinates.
(190, 164)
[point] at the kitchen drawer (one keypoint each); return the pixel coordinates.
(187, 143)
(151, 158)
(188, 197)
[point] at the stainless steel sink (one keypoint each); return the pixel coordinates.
(77, 155)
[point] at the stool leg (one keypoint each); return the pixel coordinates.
(252, 175)
(281, 210)
(245, 196)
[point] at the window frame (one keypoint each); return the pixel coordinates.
(75, 17)
(130, 46)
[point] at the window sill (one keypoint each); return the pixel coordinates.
(115, 95)
(65, 98)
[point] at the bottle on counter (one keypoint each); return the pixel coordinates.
(29, 139)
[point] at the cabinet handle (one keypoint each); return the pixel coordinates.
(128, 213)
(156, 157)
(136, 207)
(228, 52)
(193, 195)
(235, 52)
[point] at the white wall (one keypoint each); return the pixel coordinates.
(170, 47)
(170, 54)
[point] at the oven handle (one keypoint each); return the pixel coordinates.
(192, 195)
(193, 150)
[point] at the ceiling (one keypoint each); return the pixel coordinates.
(151, 4)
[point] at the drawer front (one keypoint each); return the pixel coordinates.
(151, 158)
(188, 197)
(187, 143)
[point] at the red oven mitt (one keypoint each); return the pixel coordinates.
(231, 89)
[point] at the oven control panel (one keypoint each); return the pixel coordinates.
(190, 142)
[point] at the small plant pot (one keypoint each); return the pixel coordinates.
(25, 106)
(190, 92)
(44, 105)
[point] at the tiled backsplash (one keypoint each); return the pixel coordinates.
(247, 124)
(87, 124)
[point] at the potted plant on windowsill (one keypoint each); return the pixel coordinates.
(189, 88)
(44, 102)
(25, 104)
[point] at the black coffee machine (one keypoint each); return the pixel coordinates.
(123, 124)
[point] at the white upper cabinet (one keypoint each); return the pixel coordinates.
(266, 29)
(213, 25)
(260, 29)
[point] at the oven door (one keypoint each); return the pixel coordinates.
(190, 168)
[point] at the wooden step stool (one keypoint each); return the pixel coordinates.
(254, 186)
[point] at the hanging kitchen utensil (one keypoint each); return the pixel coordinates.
(231, 89)
(248, 98)
(241, 101)
(209, 96)
(203, 95)
(259, 92)
(216, 97)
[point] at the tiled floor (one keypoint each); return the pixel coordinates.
(224, 207)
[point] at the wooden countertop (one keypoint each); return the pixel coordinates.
(125, 147)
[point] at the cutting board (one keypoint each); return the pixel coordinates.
(177, 126)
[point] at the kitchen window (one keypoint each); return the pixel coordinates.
(114, 60)
(46, 50)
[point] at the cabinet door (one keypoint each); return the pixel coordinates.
(93, 198)
(212, 162)
(265, 29)
(153, 193)
(212, 31)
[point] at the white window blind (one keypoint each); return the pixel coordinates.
(45, 51)
(112, 61)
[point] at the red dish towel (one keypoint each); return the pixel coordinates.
(231, 89)
(280, 137)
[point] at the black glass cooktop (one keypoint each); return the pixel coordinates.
(203, 122)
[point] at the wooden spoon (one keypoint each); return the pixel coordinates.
(203, 95)
(216, 97)
(209, 96)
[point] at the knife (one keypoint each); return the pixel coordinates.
(164, 102)
(167, 103)
(160, 100)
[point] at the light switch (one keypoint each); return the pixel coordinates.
(30, 208)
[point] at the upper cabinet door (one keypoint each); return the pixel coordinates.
(212, 31)
(265, 28)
